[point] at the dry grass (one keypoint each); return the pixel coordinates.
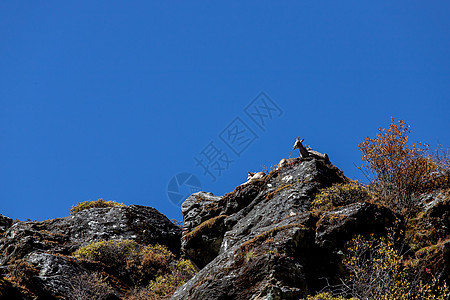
(94, 204)
(205, 225)
(261, 238)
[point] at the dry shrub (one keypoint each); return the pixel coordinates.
(89, 286)
(378, 271)
(340, 194)
(94, 204)
(152, 265)
(327, 296)
(139, 294)
(166, 284)
(151, 261)
(399, 170)
(113, 253)
(430, 226)
(442, 157)
(430, 259)
(3, 287)
(22, 272)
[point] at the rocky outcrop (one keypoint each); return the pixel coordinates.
(339, 225)
(430, 233)
(198, 208)
(203, 244)
(5, 223)
(264, 240)
(47, 245)
(271, 245)
(144, 224)
(436, 212)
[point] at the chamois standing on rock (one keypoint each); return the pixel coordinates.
(287, 161)
(298, 145)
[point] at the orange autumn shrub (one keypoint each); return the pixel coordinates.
(399, 170)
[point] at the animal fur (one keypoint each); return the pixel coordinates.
(254, 176)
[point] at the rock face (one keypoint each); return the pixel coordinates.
(267, 244)
(47, 245)
(143, 224)
(339, 225)
(264, 240)
(5, 223)
(432, 230)
(198, 208)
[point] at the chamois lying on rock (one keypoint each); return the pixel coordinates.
(286, 162)
(307, 152)
(254, 176)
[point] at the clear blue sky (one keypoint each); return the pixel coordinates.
(112, 99)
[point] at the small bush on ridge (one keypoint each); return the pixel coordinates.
(149, 262)
(113, 253)
(340, 194)
(94, 204)
(165, 285)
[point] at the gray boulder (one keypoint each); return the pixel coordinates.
(143, 224)
(47, 245)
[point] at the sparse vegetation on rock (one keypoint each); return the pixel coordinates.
(153, 270)
(378, 270)
(22, 272)
(100, 203)
(113, 253)
(108, 242)
(303, 231)
(327, 296)
(90, 286)
(339, 195)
